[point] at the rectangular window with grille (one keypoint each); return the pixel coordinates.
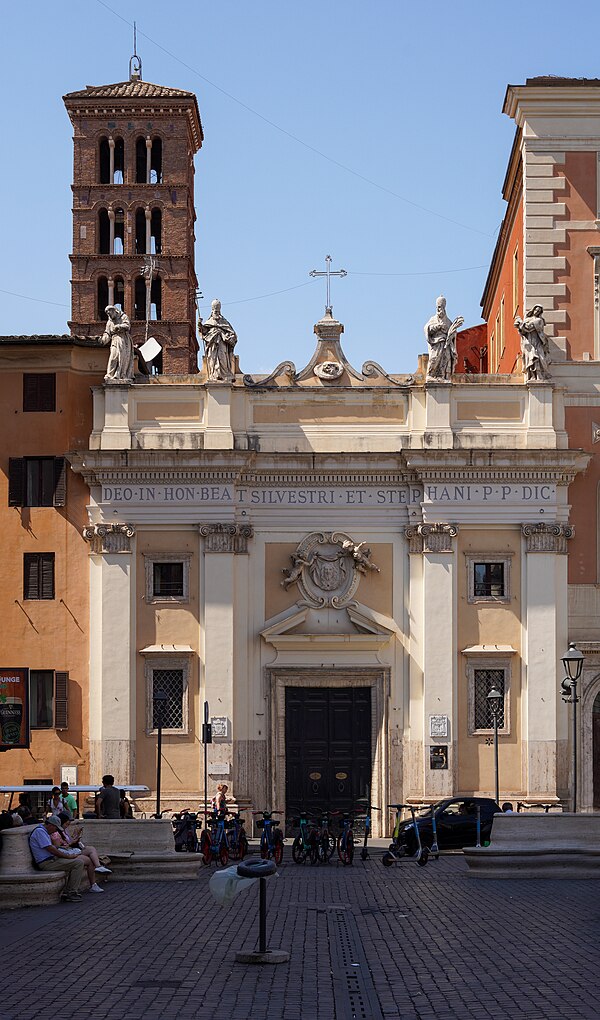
(167, 580)
(488, 580)
(483, 682)
(38, 576)
(172, 683)
(39, 391)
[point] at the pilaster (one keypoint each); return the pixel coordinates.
(545, 620)
(222, 543)
(435, 641)
(218, 434)
(112, 653)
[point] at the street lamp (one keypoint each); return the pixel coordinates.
(160, 703)
(573, 663)
(495, 700)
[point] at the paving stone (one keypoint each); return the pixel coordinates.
(489, 950)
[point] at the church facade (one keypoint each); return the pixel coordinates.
(342, 561)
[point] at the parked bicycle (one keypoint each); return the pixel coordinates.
(236, 837)
(185, 832)
(214, 845)
(325, 841)
(304, 846)
(271, 837)
(345, 840)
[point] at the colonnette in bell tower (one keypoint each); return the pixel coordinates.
(133, 213)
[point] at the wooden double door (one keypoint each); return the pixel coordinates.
(328, 748)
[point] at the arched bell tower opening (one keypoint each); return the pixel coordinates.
(133, 196)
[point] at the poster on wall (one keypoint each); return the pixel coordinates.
(14, 708)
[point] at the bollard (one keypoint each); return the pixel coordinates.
(255, 867)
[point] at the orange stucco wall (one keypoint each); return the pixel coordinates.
(48, 634)
(583, 497)
(512, 346)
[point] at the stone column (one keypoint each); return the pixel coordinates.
(112, 652)
(545, 618)
(433, 619)
(148, 217)
(222, 543)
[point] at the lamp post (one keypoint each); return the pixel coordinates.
(495, 699)
(160, 703)
(573, 663)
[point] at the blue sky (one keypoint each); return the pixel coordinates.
(407, 96)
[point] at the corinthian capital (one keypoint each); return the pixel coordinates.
(109, 538)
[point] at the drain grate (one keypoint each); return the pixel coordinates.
(355, 995)
(159, 983)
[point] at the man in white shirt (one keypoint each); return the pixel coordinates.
(51, 858)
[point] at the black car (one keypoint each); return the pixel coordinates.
(456, 822)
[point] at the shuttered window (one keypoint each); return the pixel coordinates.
(37, 481)
(39, 391)
(48, 699)
(38, 576)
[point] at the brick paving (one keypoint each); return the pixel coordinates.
(438, 945)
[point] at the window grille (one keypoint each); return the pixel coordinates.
(171, 682)
(483, 681)
(488, 580)
(168, 580)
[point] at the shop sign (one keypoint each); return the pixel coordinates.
(14, 708)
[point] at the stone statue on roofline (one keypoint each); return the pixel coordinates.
(535, 347)
(220, 339)
(117, 333)
(440, 333)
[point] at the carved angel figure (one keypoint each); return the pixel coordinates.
(295, 571)
(361, 559)
(535, 348)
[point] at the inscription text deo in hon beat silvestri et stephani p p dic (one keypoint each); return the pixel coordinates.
(329, 496)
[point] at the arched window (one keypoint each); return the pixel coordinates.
(141, 175)
(156, 162)
(139, 295)
(119, 162)
(139, 298)
(148, 160)
(104, 161)
(102, 298)
(103, 232)
(140, 232)
(119, 297)
(156, 299)
(156, 232)
(119, 239)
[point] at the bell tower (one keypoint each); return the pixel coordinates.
(133, 213)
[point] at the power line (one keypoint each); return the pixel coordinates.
(27, 297)
(273, 293)
(295, 138)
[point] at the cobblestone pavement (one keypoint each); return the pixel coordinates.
(365, 942)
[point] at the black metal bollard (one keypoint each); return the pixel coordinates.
(255, 867)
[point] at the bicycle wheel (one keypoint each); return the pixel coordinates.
(340, 847)
(278, 852)
(223, 855)
(329, 844)
(243, 848)
(349, 849)
(299, 852)
(264, 850)
(206, 851)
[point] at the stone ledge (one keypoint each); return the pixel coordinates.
(30, 889)
(562, 845)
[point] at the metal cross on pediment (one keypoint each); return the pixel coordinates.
(328, 274)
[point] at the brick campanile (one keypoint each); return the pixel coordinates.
(133, 197)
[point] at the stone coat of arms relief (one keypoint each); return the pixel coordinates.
(327, 567)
